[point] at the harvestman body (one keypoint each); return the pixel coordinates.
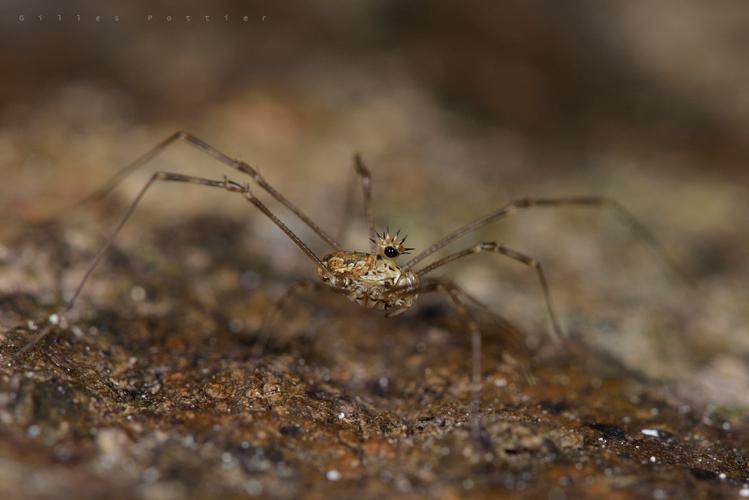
(372, 279)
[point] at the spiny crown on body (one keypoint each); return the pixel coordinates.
(375, 268)
(389, 246)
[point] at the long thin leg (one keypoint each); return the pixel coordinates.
(238, 165)
(167, 176)
(348, 208)
(505, 328)
(302, 286)
(508, 330)
(635, 226)
(366, 184)
(45, 330)
(453, 292)
(493, 247)
(365, 179)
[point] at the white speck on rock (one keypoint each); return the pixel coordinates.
(253, 488)
(333, 475)
(151, 475)
(650, 432)
(138, 294)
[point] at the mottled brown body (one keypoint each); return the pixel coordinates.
(371, 280)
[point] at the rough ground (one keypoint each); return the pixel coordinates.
(154, 393)
(149, 389)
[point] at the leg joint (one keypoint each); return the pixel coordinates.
(361, 169)
(522, 202)
(235, 187)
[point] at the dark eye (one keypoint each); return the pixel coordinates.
(391, 252)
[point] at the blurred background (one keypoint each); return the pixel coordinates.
(457, 108)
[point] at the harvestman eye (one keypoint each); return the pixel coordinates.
(361, 276)
(391, 252)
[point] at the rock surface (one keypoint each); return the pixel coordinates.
(149, 387)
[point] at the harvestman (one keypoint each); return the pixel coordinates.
(372, 279)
